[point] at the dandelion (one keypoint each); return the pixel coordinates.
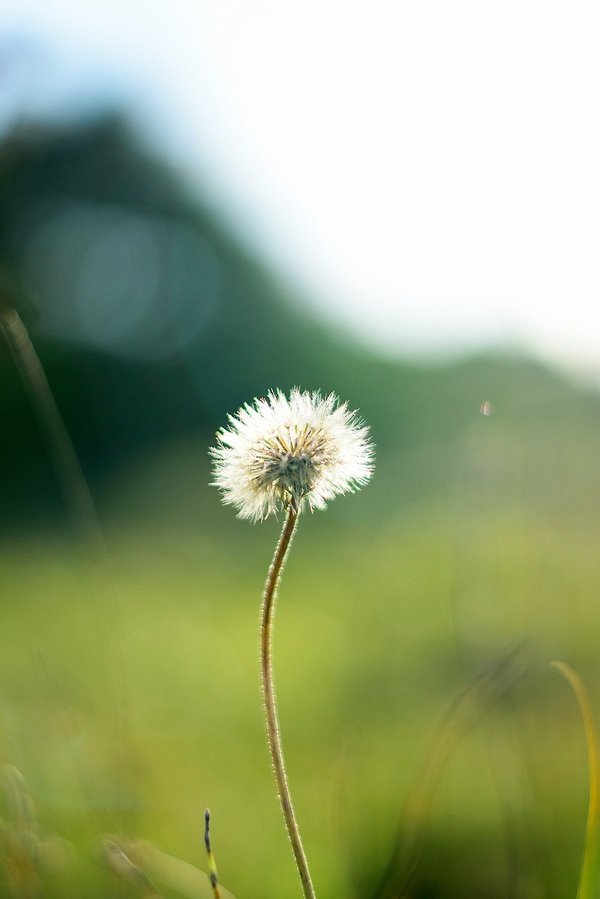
(285, 454)
(282, 451)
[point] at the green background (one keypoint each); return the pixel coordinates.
(431, 749)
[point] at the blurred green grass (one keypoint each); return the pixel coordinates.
(130, 695)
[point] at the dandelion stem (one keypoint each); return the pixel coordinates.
(270, 702)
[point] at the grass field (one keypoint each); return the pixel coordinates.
(426, 735)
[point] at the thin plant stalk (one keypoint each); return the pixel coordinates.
(71, 479)
(589, 865)
(213, 874)
(270, 702)
(69, 473)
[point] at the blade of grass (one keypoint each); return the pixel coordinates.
(77, 497)
(589, 862)
(122, 865)
(476, 700)
(68, 469)
(174, 873)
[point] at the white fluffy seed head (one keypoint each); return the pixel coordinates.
(282, 451)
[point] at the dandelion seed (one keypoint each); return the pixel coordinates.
(282, 451)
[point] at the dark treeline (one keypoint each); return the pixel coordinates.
(152, 322)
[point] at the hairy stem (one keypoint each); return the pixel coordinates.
(270, 702)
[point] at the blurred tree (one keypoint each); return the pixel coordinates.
(152, 321)
(148, 317)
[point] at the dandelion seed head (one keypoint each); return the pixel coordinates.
(280, 451)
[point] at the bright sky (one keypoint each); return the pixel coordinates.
(427, 171)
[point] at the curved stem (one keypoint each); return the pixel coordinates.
(68, 469)
(270, 702)
(589, 865)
